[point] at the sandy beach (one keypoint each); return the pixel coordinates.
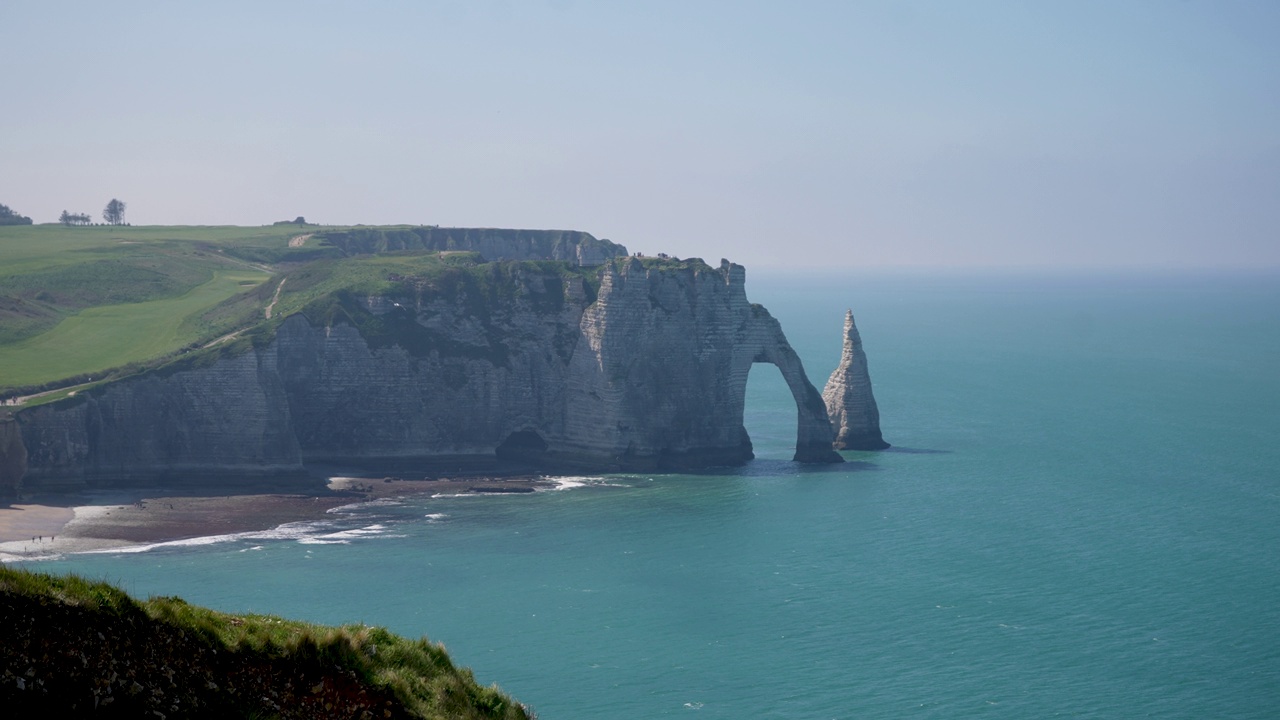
(124, 518)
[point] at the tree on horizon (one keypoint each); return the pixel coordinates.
(9, 217)
(69, 219)
(113, 213)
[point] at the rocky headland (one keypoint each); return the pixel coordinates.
(569, 355)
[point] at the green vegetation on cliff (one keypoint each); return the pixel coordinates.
(77, 301)
(84, 304)
(70, 646)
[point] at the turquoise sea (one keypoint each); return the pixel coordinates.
(1080, 518)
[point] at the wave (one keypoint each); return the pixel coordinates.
(10, 558)
(571, 482)
(304, 533)
(344, 537)
(356, 506)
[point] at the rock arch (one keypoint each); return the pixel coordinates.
(659, 375)
(813, 427)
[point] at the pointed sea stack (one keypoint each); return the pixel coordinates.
(850, 404)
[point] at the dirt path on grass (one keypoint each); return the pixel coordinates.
(274, 298)
(298, 240)
(224, 338)
(13, 401)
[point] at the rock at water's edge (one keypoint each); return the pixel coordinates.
(850, 404)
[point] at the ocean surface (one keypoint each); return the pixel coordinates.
(1080, 518)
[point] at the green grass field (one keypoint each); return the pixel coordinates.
(80, 300)
(100, 338)
(28, 248)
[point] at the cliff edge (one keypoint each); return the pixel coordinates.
(850, 403)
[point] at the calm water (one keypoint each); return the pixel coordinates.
(1079, 519)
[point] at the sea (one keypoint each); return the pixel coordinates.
(1080, 517)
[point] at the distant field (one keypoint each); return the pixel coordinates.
(100, 338)
(85, 299)
(26, 248)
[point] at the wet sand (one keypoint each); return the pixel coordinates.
(19, 522)
(125, 518)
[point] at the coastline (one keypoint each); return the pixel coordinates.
(51, 526)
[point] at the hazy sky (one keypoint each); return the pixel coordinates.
(867, 134)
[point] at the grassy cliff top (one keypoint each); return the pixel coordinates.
(80, 300)
(69, 646)
(78, 304)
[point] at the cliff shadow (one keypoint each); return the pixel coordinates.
(522, 448)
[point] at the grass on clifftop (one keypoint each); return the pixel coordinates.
(80, 304)
(98, 338)
(80, 300)
(218, 651)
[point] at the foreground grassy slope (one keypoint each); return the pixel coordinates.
(69, 646)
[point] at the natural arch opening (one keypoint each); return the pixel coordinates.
(523, 446)
(769, 414)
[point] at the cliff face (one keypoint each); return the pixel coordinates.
(13, 457)
(659, 377)
(848, 397)
(228, 420)
(647, 372)
(446, 375)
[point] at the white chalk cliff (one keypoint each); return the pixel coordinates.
(543, 369)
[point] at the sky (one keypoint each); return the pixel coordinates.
(976, 134)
